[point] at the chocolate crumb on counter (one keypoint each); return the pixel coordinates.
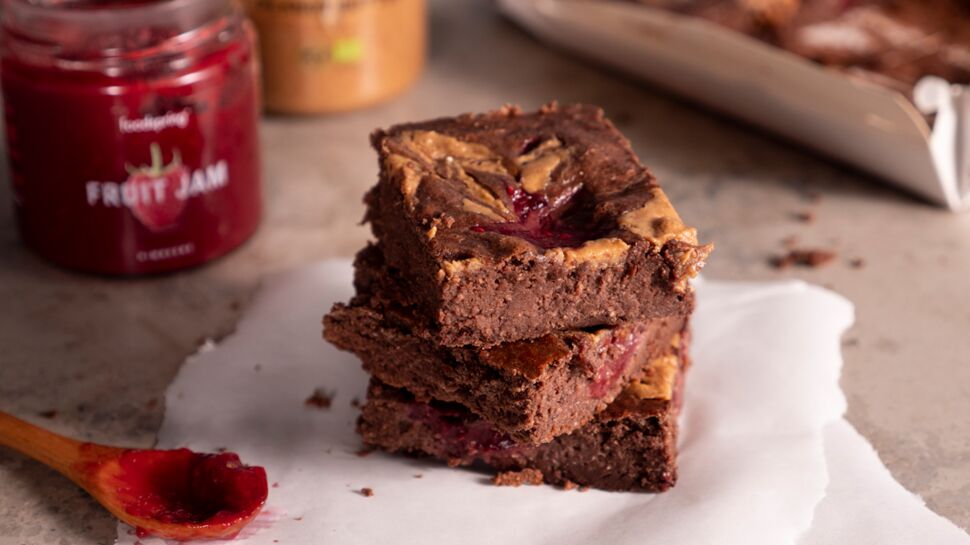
(806, 258)
(418, 475)
(806, 216)
(364, 452)
(320, 399)
(857, 263)
(355, 403)
(49, 414)
(366, 492)
(527, 476)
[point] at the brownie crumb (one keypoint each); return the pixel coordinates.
(418, 475)
(857, 263)
(804, 217)
(364, 451)
(320, 399)
(569, 485)
(528, 476)
(48, 414)
(220, 449)
(366, 492)
(355, 403)
(790, 241)
(804, 258)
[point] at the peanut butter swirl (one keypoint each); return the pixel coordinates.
(559, 184)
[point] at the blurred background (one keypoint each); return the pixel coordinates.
(93, 354)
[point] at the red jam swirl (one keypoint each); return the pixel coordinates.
(131, 130)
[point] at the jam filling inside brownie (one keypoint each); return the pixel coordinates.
(629, 446)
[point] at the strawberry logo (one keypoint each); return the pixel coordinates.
(158, 205)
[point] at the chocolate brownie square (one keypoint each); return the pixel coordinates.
(507, 226)
(532, 390)
(632, 445)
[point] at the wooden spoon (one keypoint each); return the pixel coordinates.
(174, 494)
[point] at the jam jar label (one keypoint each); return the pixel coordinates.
(156, 194)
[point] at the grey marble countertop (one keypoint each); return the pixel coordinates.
(101, 352)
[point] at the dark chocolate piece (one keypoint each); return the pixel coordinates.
(507, 226)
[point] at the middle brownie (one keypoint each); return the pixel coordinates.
(533, 390)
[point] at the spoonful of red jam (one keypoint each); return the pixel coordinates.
(175, 494)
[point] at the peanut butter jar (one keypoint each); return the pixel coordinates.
(321, 56)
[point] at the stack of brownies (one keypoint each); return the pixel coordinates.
(526, 303)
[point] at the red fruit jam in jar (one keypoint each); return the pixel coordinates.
(131, 130)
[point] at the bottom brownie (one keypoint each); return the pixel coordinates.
(629, 446)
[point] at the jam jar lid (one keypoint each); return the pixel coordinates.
(117, 38)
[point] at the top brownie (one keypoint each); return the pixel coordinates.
(508, 225)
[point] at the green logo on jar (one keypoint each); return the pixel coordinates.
(346, 51)
(340, 51)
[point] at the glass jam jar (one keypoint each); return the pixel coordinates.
(131, 130)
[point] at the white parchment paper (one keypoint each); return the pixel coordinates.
(761, 398)
(864, 505)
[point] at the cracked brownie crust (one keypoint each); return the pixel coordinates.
(629, 446)
(531, 390)
(510, 225)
